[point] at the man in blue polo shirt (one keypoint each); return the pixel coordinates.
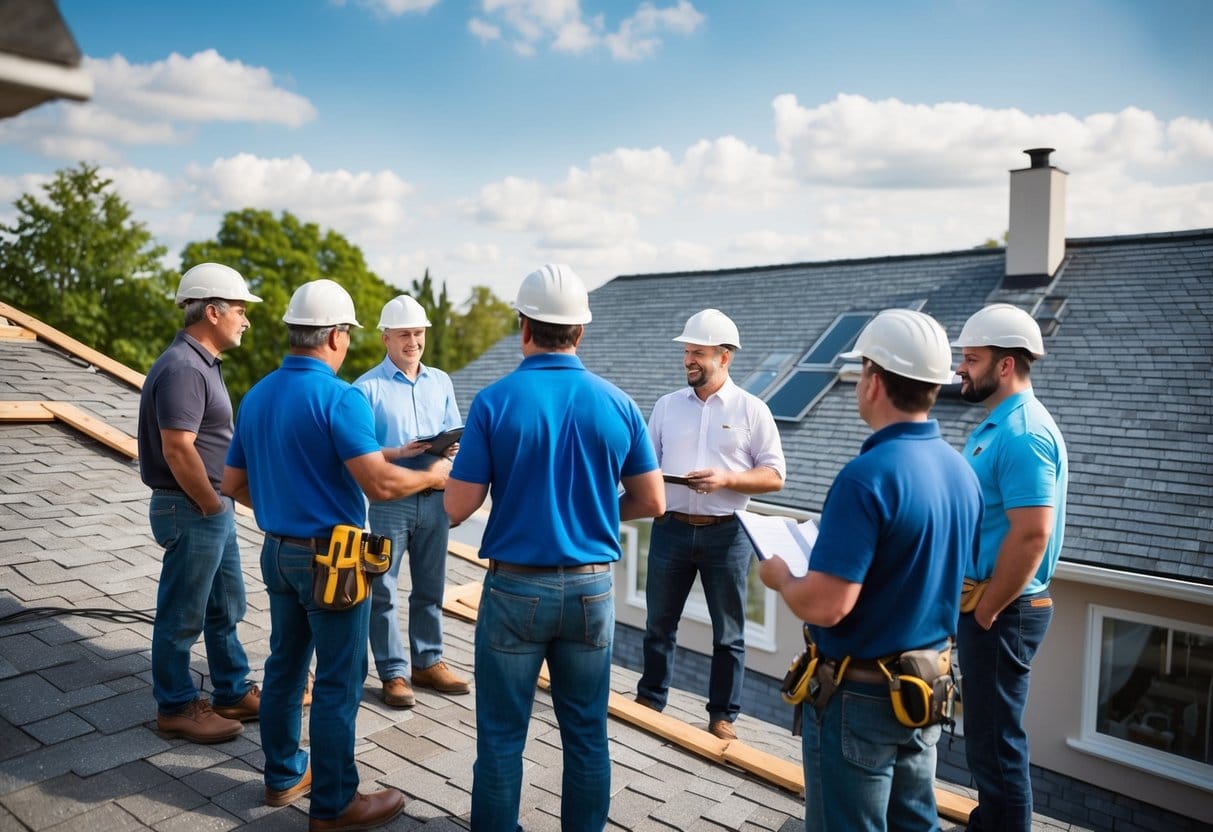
(1020, 458)
(897, 529)
(552, 443)
(185, 425)
(410, 400)
(303, 453)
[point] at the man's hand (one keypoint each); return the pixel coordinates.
(442, 466)
(774, 573)
(412, 449)
(707, 480)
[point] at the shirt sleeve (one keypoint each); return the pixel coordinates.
(353, 425)
(766, 446)
(473, 463)
(848, 532)
(1028, 471)
(180, 398)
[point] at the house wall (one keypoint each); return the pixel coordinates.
(1056, 717)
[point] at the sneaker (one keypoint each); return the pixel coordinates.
(398, 694)
(198, 723)
(723, 729)
(285, 797)
(246, 710)
(366, 811)
(440, 678)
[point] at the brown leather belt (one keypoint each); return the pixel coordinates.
(859, 670)
(502, 566)
(700, 519)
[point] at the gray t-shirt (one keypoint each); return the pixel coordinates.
(184, 390)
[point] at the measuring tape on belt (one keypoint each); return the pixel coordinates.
(339, 576)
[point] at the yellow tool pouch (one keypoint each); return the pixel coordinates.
(339, 576)
(800, 680)
(971, 592)
(923, 690)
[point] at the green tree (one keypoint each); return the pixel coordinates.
(79, 262)
(486, 320)
(276, 255)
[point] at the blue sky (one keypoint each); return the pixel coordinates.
(481, 139)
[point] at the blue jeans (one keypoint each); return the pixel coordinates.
(569, 620)
(297, 626)
(863, 770)
(418, 525)
(201, 591)
(995, 664)
(720, 555)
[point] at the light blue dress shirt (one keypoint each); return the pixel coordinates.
(406, 410)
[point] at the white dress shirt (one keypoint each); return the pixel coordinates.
(732, 430)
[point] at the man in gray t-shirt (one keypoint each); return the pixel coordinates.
(185, 426)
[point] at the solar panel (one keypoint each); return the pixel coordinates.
(838, 338)
(799, 392)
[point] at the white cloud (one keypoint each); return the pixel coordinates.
(393, 8)
(562, 26)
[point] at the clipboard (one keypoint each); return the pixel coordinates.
(676, 480)
(774, 536)
(440, 442)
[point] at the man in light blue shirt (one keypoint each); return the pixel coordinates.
(410, 401)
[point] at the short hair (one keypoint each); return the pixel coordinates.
(195, 309)
(554, 336)
(310, 337)
(907, 395)
(1023, 359)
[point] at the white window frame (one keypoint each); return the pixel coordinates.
(759, 636)
(1131, 754)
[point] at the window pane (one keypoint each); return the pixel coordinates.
(1155, 686)
(758, 381)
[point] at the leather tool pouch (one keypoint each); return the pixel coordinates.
(799, 682)
(971, 592)
(339, 576)
(922, 689)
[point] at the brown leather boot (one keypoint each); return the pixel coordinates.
(365, 812)
(723, 729)
(285, 797)
(440, 678)
(196, 722)
(398, 694)
(246, 710)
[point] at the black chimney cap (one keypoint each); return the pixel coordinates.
(1039, 156)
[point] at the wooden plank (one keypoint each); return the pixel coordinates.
(69, 344)
(25, 412)
(953, 806)
(786, 774)
(465, 551)
(15, 333)
(90, 425)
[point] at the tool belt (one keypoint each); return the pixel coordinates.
(971, 592)
(922, 688)
(339, 576)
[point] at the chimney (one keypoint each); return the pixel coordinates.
(1036, 242)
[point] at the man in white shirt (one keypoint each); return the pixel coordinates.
(724, 442)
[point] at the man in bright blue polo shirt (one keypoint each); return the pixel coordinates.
(552, 442)
(410, 400)
(898, 527)
(1020, 457)
(303, 453)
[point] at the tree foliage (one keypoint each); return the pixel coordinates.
(277, 255)
(79, 262)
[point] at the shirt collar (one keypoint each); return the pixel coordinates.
(306, 363)
(388, 368)
(1009, 405)
(551, 361)
(727, 393)
(197, 347)
(902, 430)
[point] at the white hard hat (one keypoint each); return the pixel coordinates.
(320, 303)
(554, 294)
(711, 328)
(906, 343)
(212, 280)
(403, 313)
(1002, 325)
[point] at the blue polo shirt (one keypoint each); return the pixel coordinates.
(407, 409)
(294, 431)
(901, 518)
(552, 441)
(1020, 459)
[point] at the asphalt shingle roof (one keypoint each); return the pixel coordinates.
(1127, 376)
